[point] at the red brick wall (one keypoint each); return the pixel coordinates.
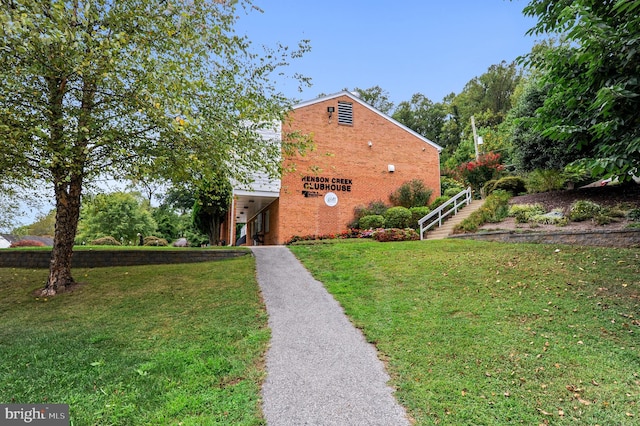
(271, 237)
(342, 152)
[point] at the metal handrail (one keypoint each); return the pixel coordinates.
(466, 199)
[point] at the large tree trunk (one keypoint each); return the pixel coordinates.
(67, 174)
(67, 215)
(213, 230)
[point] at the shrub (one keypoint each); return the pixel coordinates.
(397, 217)
(488, 186)
(447, 183)
(555, 217)
(494, 209)
(394, 234)
(181, 242)
(350, 233)
(545, 180)
(374, 208)
(27, 243)
(476, 173)
(513, 184)
(616, 211)
(602, 219)
(418, 213)
(583, 210)
(372, 221)
(155, 241)
(524, 212)
(452, 192)
(634, 215)
(438, 202)
(105, 241)
(411, 194)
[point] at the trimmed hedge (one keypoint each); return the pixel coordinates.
(394, 234)
(513, 184)
(105, 241)
(418, 213)
(372, 221)
(397, 217)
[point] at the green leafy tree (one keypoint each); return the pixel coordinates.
(489, 93)
(213, 199)
(120, 215)
(168, 223)
(44, 225)
(130, 88)
(411, 194)
(488, 98)
(174, 216)
(593, 100)
(531, 149)
(377, 97)
(10, 207)
(422, 116)
(179, 198)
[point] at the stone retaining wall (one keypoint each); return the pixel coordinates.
(626, 238)
(103, 258)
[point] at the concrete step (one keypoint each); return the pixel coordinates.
(447, 227)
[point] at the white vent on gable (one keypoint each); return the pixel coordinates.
(345, 113)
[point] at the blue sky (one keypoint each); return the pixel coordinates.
(433, 47)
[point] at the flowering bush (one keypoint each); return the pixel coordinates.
(349, 233)
(395, 234)
(27, 243)
(476, 173)
(380, 234)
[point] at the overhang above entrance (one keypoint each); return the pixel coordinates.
(248, 204)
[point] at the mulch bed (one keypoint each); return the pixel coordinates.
(627, 194)
(606, 196)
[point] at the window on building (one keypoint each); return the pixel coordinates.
(345, 113)
(266, 222)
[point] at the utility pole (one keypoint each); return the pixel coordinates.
(475, 136)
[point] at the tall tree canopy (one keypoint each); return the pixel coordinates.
(130, 88)
(122, 215)
(421, 115)
(488, 99)
(593, 103)
(377, 97)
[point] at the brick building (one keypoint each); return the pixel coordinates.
(361, 155)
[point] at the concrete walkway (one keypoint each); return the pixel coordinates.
(320, 369)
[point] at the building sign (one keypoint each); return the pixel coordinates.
(330, 199)
(315, 186)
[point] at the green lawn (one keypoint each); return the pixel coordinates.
(177, 344)
(472, 333)
(489, 334)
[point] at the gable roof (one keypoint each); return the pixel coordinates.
(10, 238)
(372, 109)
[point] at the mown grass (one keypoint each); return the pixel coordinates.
(177, 344)
(489, 334)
